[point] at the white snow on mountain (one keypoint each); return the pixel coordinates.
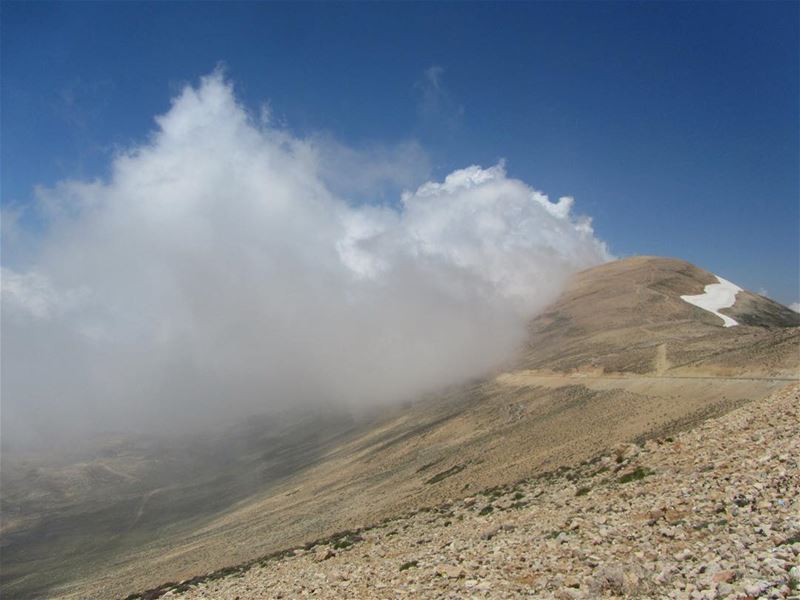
(715, 297)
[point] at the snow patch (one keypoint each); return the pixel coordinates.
(715, 297)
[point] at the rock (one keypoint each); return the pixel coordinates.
(626, 452)
(683, 555)
(664, 576)
(450, 571)
(794, 574)
(611, 578)
(631, 582)
(655, 515)
(757, 588)
(724, 589)
(323, 553)
(726, 576)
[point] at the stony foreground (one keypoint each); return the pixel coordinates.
(712, 513)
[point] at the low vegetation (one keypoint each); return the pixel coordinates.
(445, 474)
(635, 475)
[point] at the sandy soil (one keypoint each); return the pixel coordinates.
(516, 426)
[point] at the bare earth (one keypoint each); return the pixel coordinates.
(709, 513)
(620, 359)
(522, 426)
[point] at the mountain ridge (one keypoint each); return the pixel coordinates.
(617, 526)
(618, 358)
(614, 317)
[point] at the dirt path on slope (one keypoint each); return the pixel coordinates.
(143, 504)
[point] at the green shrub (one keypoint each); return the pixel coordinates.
(635, 475)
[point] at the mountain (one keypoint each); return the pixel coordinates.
(627, 316)
(619, 358)
(617, 526)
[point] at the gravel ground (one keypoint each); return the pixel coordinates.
(711, 513)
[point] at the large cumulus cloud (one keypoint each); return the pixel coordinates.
(222, 268)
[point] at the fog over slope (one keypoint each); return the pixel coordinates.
(221, 268)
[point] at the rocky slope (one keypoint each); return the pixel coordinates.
(709, 513)
(620, 358)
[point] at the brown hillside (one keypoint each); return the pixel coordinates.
(619, 358)
(628, 317)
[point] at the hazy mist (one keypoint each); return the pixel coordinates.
(226, 266)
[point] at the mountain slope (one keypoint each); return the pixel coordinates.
(618, 358)
(628, 315)
(710, 513)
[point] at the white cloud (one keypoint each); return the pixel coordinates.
(436, 104)
(28, 294)
(221, 270)
(795, 306)
(375, 171)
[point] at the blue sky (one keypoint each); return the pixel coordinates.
(674, 125)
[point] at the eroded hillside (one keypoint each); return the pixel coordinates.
(620, 358)
(710, 513)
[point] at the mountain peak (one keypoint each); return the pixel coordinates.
(622, 315)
